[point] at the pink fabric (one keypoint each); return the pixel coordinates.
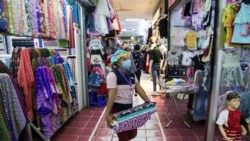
(71, 31)
(26, 79)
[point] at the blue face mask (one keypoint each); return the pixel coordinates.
(126, 64)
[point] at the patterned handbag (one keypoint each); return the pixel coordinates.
(133, 118)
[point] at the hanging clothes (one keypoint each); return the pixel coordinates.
(228, 17)
(26, 79)
(200, 98)
(13, 112)
(231, 72)
(44, 100)
(102, 11)
(241, 33)
(3, 20)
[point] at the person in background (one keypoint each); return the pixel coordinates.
(121, 84)
(230, 121)
(138, 61)
(125, 46)
(154, 67)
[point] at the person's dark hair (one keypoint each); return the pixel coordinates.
(125, 42)
(232, 95)
(137, 47)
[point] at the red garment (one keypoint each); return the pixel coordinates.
(26, 79)
(71, 31)
(233, 130)
(234, 120)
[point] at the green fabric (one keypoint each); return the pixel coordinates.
(4, 131)
(59, 83)
(134, 114)
(63, 43)
(156, 55)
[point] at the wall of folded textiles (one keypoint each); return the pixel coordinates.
(36, 18)
(47, 90)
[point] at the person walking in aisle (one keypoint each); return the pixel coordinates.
(155, 61)
(121, 84)
(138, 61)
(125, 46)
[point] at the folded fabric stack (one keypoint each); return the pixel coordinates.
(176, 81)
(134, 117)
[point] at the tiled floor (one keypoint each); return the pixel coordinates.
(89, 125)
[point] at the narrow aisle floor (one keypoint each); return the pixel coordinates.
(89, 124)
(151, 131)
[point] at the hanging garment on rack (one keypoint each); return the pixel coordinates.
(5, 134)
(245, 104)
(66, 110)
(241, 33)
(191, 40)
(3, 20)
(44, 100)
(187, 58)
(59, 83)
(55, 114)
(26, 79)
(15, 62)
(178, 38)
(71, 85)
(173, 58)
(4, 69)
(200, 98)
(163, 27)
(190, 72)
(228, 17)
(198, 64)
(102, 11)
(13, 112)
(231, 72)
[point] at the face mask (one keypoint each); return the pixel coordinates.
(126, 64)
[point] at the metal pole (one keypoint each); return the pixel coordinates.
(213, 101)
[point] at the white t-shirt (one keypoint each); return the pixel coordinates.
(223, 117)
(187, 58)
(124, 95)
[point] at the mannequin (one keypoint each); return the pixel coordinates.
(230, 121)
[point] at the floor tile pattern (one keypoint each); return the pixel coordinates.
(83, 126)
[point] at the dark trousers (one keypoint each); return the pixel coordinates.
(138, 75)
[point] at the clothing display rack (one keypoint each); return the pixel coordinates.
(31, 124)
(189, 39)
(80, 60)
